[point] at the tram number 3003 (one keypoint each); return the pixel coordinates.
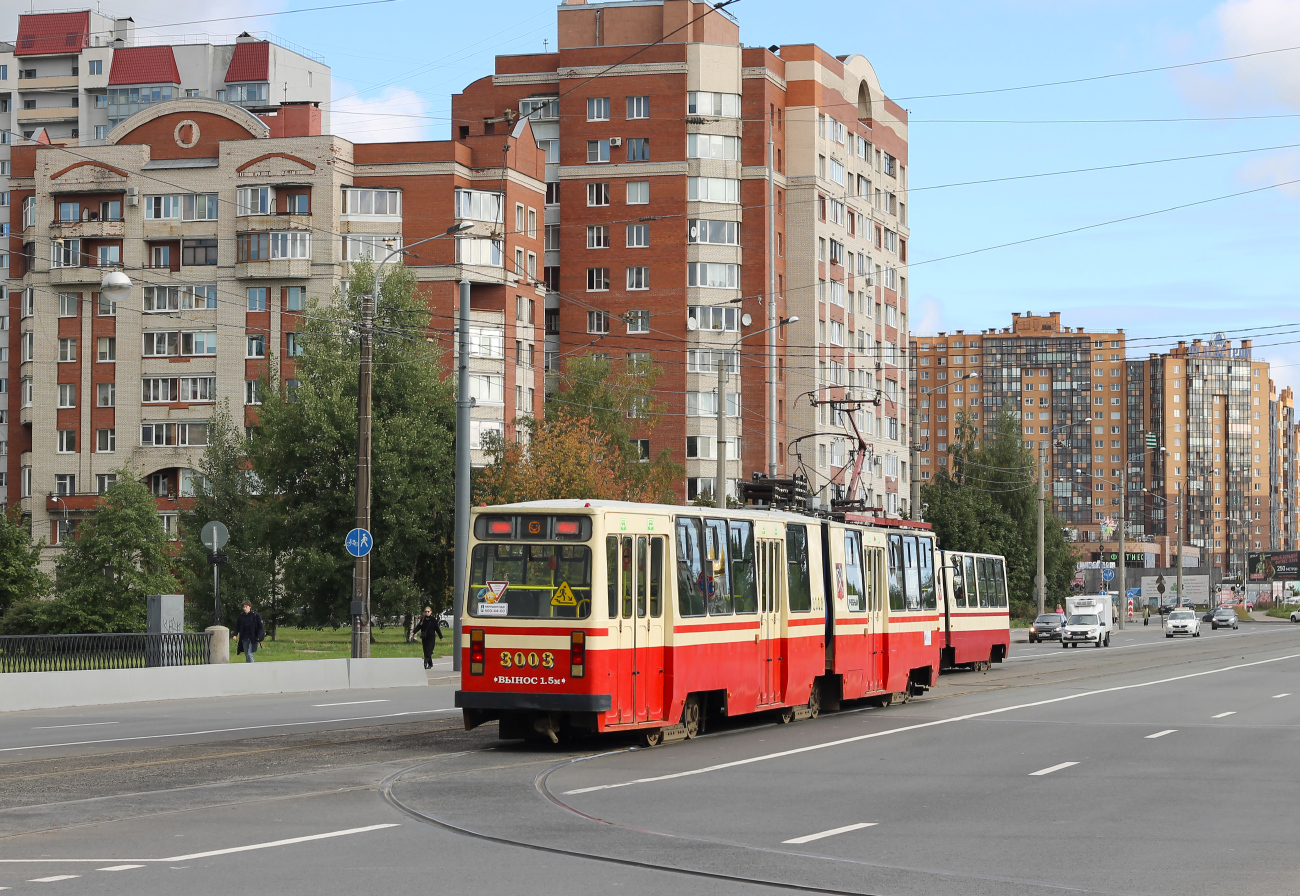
(530, 660)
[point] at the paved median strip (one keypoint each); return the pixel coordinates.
(1225, 714)
(1052, 768)
(809, 838)
(1161, 733)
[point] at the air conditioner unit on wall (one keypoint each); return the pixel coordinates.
(615, 141)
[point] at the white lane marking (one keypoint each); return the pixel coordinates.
(118, 740)
(1275, 696)
(274, 843)
(1161, 733)
(1223, 714)
(921, 725)
(350, 703)
(50, 880)
(78, 725)
(119, 868)
(809, 838)
(1051, 768)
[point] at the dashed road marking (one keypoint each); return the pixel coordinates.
(1052, 768)
(50, 880)
(78, 725)
(350, 703)
(119, 868)
(1161, 733)
(809, 838)
(1223, 714)
(1275, 696)
(274, 843)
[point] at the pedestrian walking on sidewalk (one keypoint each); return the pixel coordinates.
(250, 632)
(430, 632)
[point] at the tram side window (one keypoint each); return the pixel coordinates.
(958, 582)
(874, 560)
(925, 562)
(896, 572)
(972, 584)
(691, 581)
(642, 577)
(611, 573)
(987, 596)
(911, 574)
(656, 577)
(744, 584)
(1000, 580)
(853, 590)
(797, 575)
(715, 543)
(627, 575)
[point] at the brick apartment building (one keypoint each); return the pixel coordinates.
(230, 225)
(697, 192)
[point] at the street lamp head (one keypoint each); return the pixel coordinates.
(115, 286)
(1087, 419)
(460, 228)
(794, 319)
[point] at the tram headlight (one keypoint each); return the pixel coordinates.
(477, 651)
(577, 654)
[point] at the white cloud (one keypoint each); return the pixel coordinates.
(393, 114)
(931, 318)
(1250, 26)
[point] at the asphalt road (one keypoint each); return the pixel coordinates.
(1153, 766)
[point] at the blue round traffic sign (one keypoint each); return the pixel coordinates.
(1107, 575)
(359, 542)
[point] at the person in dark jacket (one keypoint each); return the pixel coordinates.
(430, 631)
(250, 631)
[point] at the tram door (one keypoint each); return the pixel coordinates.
(770, 596)
(638, 616)
(873, 558)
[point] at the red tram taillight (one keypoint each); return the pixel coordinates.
(477, 651)
(578, 654)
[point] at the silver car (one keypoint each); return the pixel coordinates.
(1183, 622)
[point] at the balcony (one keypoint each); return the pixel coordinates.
(55, 82)
(274, 269)
(58, 113)
(110, 228)
(81, 275)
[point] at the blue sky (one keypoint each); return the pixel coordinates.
(1219, 266)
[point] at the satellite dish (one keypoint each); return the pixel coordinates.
(692, 324)
(695, 232)
(746, 320)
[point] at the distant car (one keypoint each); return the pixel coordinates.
(1046, 627)
(444, 620)
(1224, 616)
(1182, 622)
(1295, 615)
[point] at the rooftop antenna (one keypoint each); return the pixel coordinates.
(546, 44)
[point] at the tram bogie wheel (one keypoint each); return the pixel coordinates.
(692, 717)
(900, 697)
(785, 715)
(652, 737)
(815, 701)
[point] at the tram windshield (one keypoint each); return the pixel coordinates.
(530, 581)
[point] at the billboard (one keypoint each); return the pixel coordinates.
(1195, 589)
(1267, 566)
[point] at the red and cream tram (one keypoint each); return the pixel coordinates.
(606, 616)
(977, 620)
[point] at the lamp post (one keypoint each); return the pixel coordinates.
(915, 452)
(1178, 533)
(365, 423)
(1041, 579)
(720, 482)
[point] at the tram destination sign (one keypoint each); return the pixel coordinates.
(1270, 566)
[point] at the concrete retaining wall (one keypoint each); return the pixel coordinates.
(48, 690)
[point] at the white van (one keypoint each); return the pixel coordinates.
(1088, 620)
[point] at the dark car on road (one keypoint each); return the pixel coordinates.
(1047, 627)
(1224, 617)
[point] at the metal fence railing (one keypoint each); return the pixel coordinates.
(64, 653)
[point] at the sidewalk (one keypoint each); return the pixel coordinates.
(442, 673)
(1258, 616)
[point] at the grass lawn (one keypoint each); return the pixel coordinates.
(328, 644)
(1280, 612)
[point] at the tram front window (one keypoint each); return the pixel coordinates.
(530, 581)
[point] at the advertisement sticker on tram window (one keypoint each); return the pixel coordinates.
(839, 581)
(493, 591)
(564, 596)
(493, 609)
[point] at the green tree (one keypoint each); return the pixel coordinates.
(230, 493)
(304, 451)
(22, 584)
(987, 504)
(119, 557)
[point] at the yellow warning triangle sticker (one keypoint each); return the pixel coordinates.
(564, 596)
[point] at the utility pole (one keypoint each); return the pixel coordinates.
(720, 484)
(1180, 544)
(772, 459)
(1042, 499)
(914, 457)
(365, 421)
(1123, 527)
(463, 404)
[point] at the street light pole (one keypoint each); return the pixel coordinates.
(1180, 544)
(1041, 580)
(461, 521)
(1123, 527)
(771, 304)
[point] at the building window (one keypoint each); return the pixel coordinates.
(297, 204)
(487, 389)
(65, 484)
(638, 149)
(248, 201)
(67, 395)
(716, 105)
(292, 345)
(710, 274)
(68, 349)
(67, 441)
(256, 346)
(105, 395)
(638, 107)
(712, 146)
(479, 205)
(597, 108)
(105, 440)
(638, 236)
(597, 279)
(104, 481)
(597, 194)
(638, 321)
(712, 189)
(198, 252)
(716, 319)
(638, 278)
(598, 237)
(162, 435)
(724, 233)
(257, 298)
(252, 392)
(638, 192)
(597, 150)
(598, 322)
(294, 298)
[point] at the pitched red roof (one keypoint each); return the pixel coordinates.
(44, 34)
(251, 62)
(144, 65)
